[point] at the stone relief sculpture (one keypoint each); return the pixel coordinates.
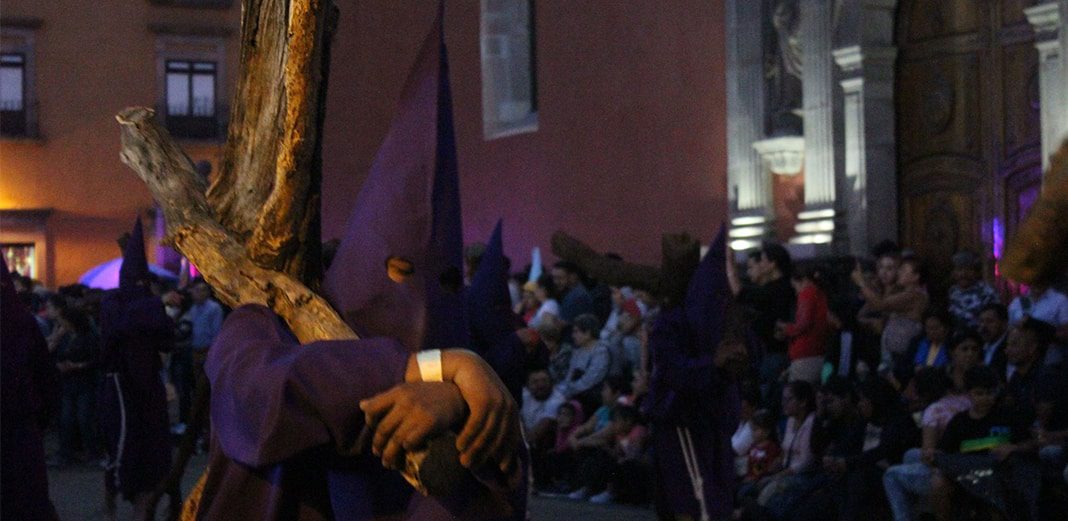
(782, 69)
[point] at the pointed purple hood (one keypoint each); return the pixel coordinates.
(488, 303)
(408, 210)
(134, 264)
(708, 294)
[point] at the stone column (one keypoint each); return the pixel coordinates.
(817, 222)
(1047, 19)
(870, 175)
(748, 180)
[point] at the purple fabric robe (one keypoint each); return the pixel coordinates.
(30, 390)
(134, 329)
(285, 416)
(690, 398)
(286, 424)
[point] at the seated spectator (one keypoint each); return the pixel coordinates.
(589, 363)
(742, 439)
(964, 353)
(619, 296)
(887, 261)
(783, 489)
(910, 480)
(978, 443)
(931, 350)
(595, 432)
(551, 332)
(994, 329)
(575, 298)
(544, 294)
(1048, 305)
(620, 473)
(553, 469)
(538, 411)
(528, 303)
(764, 456)
(808, 333)
(969, 293)
(624, 346)
(1026, 350)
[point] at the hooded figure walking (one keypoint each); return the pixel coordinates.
(695, 350)
(313, 432)
(134, 330)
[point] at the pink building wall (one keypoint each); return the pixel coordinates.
(631, 126)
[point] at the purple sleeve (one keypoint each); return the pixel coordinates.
(673, 367)
(272, 397)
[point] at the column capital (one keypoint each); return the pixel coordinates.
(1045, 18)
(854, 58)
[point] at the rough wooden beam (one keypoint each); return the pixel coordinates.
(610, 271)
(220, 256)
(286, 233)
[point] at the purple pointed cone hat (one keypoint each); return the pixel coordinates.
(488, 303)
(134, 267)
(397, 271)
(708, 294)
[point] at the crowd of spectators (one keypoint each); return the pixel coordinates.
(68, 319)
(866, 394)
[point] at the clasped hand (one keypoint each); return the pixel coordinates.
(405, 417)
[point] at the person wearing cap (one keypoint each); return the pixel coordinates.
(970, 293)
(624, 346)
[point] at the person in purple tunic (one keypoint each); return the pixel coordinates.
(29, 394)
(693, 399)
(134, 329)
(311, 432)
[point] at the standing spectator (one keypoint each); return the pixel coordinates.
(589, 363)
(76, 344)
(904, 307)
(887, 263)
(809, 330)
(772, 297)
(994, 329)
(932, 350)
(970, 293)
(205, 315)
(576, 299)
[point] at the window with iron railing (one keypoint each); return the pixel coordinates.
(13, 94)
(191, 109)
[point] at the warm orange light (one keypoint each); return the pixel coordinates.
(398, 269)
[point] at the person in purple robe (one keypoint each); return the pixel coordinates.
(29, 394)
(314, 431)
(693, 400)
(134, 330)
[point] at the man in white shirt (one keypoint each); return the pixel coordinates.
(540, 401)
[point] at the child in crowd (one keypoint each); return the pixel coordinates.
(765, 455)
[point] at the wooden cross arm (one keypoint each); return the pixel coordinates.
(193, 229)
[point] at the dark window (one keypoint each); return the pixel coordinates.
(191, 99)
(12, 94)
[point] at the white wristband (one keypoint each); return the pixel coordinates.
(429, 365)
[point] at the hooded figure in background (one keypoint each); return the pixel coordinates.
(693, 400)
(134, 330)
(493, 325)
(30, 391)
(289, 438)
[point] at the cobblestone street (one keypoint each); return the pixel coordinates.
(77, 492)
